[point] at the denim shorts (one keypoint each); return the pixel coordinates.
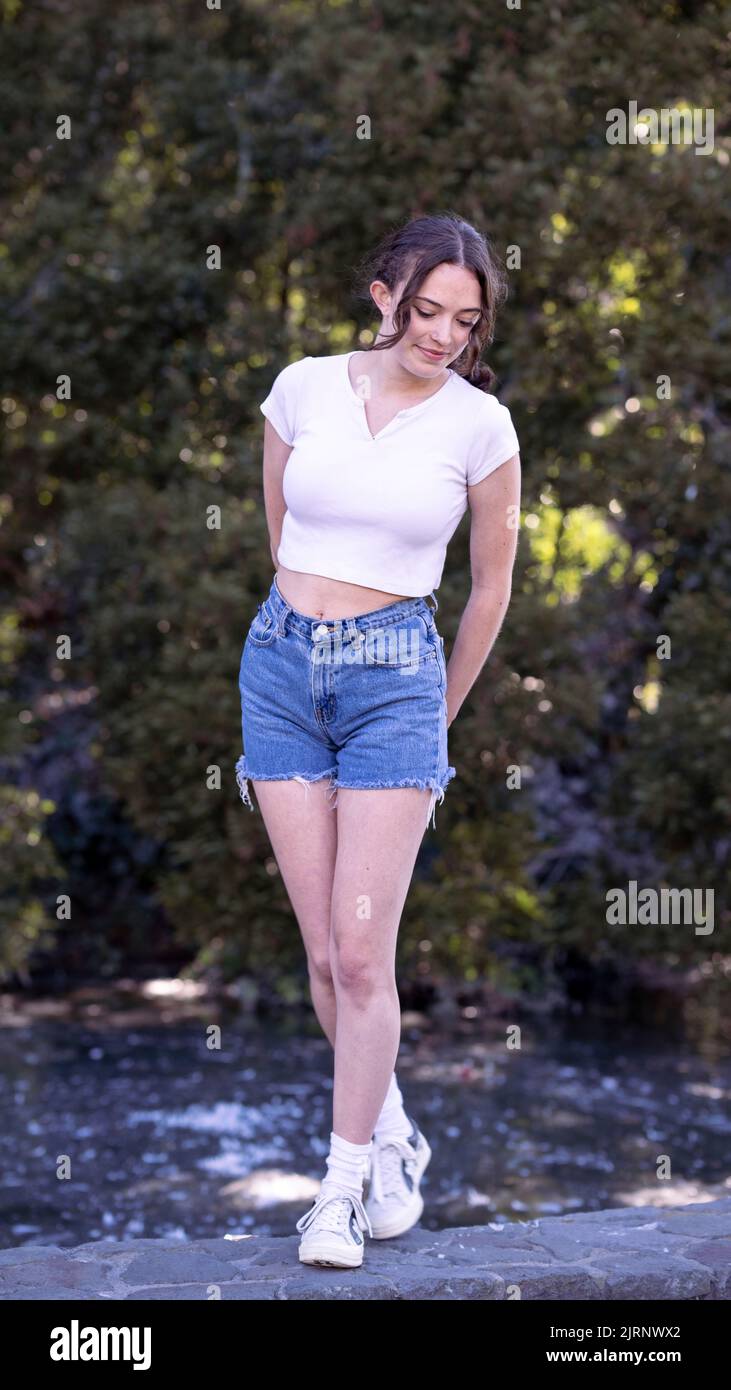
(359, 700)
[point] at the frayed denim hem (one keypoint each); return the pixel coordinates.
(243, 775)
(422, 783)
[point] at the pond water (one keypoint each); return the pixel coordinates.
(165, 1136)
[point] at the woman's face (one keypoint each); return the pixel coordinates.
(442, 314)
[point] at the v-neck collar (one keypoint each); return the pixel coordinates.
(408, 410)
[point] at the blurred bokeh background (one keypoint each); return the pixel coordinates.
(186, 193)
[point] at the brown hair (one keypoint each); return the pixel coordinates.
(411, 251)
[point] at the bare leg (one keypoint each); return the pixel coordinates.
(304, 831)
(378, 838)
(302, 827)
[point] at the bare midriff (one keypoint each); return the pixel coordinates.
(319, 597)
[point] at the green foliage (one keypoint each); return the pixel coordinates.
(241, 129)
(28, 867)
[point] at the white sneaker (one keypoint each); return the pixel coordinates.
(332, 1230)
(392, 1201)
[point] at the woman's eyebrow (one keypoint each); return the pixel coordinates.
(437, 305)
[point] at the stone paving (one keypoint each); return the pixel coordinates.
(623, 1253)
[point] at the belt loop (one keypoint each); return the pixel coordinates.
(436, 601)
(286, 608)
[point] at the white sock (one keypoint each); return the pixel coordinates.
(347, 1164)
(393, 1120)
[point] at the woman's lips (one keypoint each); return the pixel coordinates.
(435, 356)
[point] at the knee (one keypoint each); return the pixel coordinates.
(356, 973)
(320, 968)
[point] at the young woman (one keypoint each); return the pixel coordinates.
(371, 458)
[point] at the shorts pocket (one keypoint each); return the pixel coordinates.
(263, 628)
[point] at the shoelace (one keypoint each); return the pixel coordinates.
(334, 1208)
(385, 1174)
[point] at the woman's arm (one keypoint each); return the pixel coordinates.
(495, 520)
(276, 453)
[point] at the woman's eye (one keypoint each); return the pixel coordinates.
(461, 322)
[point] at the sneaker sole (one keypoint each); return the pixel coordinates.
(406, 1218)
(322, 1253)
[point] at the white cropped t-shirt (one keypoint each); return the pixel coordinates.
(379, 511)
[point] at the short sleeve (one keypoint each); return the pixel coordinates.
(281, 406)
(495, 442)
